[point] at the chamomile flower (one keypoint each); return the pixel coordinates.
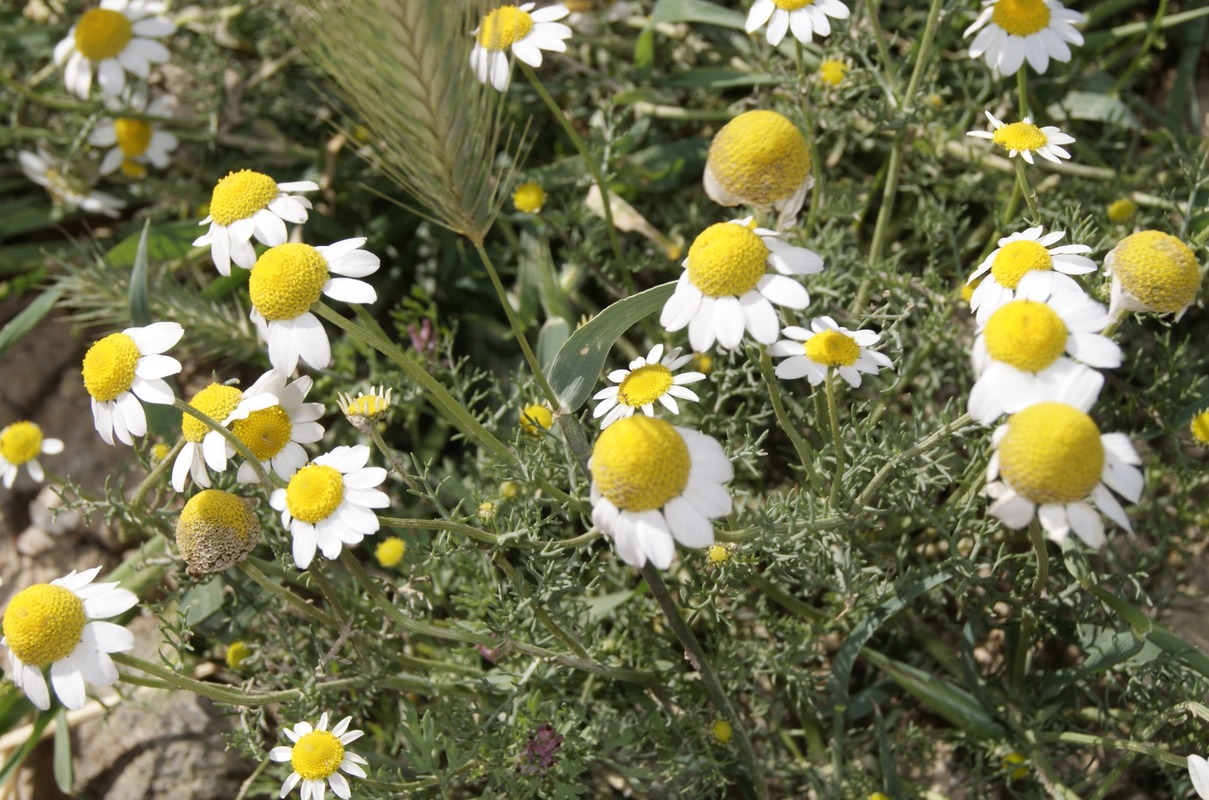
(1050, 460)
(366, 408)
(59, 625)
(1019, 254)
(134, 143)
(318, 757)
(1025, 139)
(66, 188)
(116, 38)
(647, 380)
(1198, 771)
(824, 347)
(654, 483)
(275, 430)
(216, 530)
(804, 17)
(124, 368)
(22, 443)
(724, 289)
(288, 279)
(246, 204)
(1152, 271)
(1200, 427)
(523, 31)
(1029, 339)
(202, 444)
(761, 159)
(1011, 31)
(529, 198)
(832, 71)
(328, 503)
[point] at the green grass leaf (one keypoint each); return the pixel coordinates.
(140, 304)
(697, 11)
(29, 316)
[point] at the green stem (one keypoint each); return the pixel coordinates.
(883, 51)
(924, 52)
(1026, 190)
(284, 594)
(816, 164)
(881, 227)
(498, 540)
(764, 362)
(924, 445)
(265, 479)
(220, 694)
(153, 477)
(582, 147)
(1157, 753)
(836, 439)
(709, 678)
(1022, 89)
(1028, 619)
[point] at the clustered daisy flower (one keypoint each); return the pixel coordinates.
(804, 17)
(647, 381)
(59, 625)
(1026, 139)
(761, 159)
(134, 143)
(318, 756)
(827, 346)
(124, 368)
(1022, 253)
(246, 204)
(20, 444)
(202, 445)
(523, 31)
(67, 189)
(117, 37)
(1013, 31)
(275, 429)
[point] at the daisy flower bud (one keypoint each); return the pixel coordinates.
(1200, 427)
(1152, 271)
(529, 198)
(536, 419)
(759, 158)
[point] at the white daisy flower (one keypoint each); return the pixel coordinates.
(366, 408)
(804, 17)
(724, 289)
(1050, 458)
(318, 756)
(760, 159)
(22, 443)
(288, 279)
(117, 38)
(58, 624)
(1025, 139)
(647, 380)
(204, 446)
(276, 431)
(1154, 272)
(1027, 340)
(653, 483)
(827, 346)
(1010, 31)
(124, 368)
(246, 204)
(1198, 771)
(66, 189)
(327, 504)
(134, 143)
(1017, 255)
(521, 29)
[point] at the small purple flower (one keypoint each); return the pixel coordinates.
(422, 340)
(541, 752)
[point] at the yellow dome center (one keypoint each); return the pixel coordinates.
(760, 157)
(20, 442)
(316, 755)
(368, 405)
(529, 198)
(644, 385)
(1021, 17)
(791, 5)
(216, 530)
(1027, 335)
(390, 552)
(832, 349)
(133, 169)
(1020, 136)
(216, 402)
(535, 419)
(727, 259)
(1158, 269)
(134, 136)
(314, 492)
(44, 623)
(1015, 259)
(1200, 427)
(240, 195)
(264, 432)
(504, 27)
(640, 463)
(287, 280)
(1051, 454)
(109, 366)
(832, 71)
(102, 33)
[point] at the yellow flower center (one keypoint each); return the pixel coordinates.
(644, 385)
(287, 280)
(1200, 427)
(1122, 211)
(390, 551)
(216, 402)
(316, 755)
(133, 169)
(216, 530)
(1020, 136)
(718, 553)
(367, 405)
(832, 349)
(20, 442)
(1016, 259)
(1025, 334)
(102, 34)
(240, 195)
(529, 198)
(535, 419)
(1051, 454)
(504, 27)
(791, 5)
(1158, 269)
(237, 652)
(727, 259)
(109, 366)
(43, 623)
(761, 157)
(722, 730)
(1021, 17)
(314, 492)
(639, 463)
(264, 432)
(133, 136)
(832, 72)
